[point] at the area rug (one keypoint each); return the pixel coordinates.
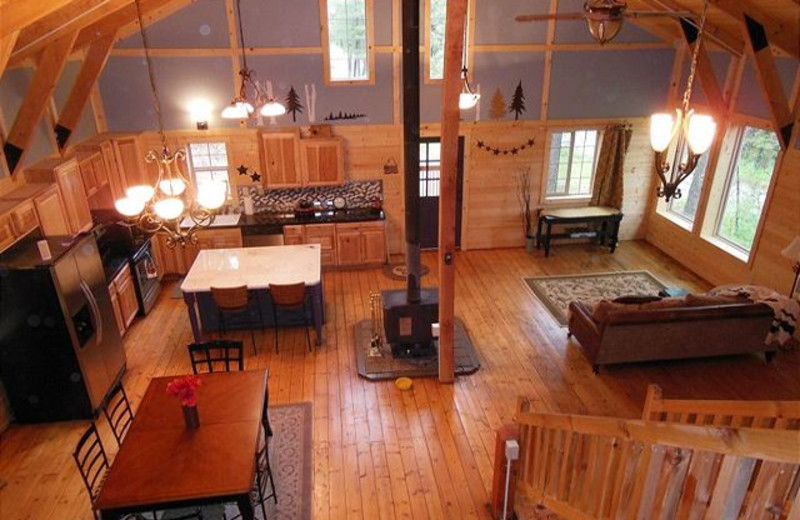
(556, 292)
(290, 456)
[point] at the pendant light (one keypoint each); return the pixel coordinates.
(467, 99)
(241, 106)
(161, 207)
(695, 131)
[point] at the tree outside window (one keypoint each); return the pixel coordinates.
(747, 186)
(347, 40)
(209, 162)
(691, 189)
(570, 171)
(438, 17)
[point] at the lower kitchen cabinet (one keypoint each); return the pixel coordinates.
(123, 298)
(325, 236)
(347, 245)
(220, 238)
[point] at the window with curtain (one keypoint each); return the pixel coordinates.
(209, 162)
(746, 186)
(691, 189)
(347, 46)
(572, 160)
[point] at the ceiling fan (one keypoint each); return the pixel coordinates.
(604, 17)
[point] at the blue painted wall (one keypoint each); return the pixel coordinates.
(751, 100)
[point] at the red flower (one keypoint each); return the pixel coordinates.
(185, 388)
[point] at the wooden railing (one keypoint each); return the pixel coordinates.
(584, 467)
(779, 415)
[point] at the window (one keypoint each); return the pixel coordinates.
(570, 171)
(209, 162)
(691, 189)
(437, 16)
(347, 41)
(747, 185)
(429, 168)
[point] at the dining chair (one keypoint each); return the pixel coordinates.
(118, 412)
(231, 301)
(289, 297)
(216, 356)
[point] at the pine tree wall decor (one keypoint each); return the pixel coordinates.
(517, 101)
(293, 104)
(497, 109)
(341, 116)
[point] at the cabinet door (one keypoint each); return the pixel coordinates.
(116, 180)
(126, 292)
(348, 247)
(86, 168)
(325, 236)
(129, 160)
(52, 213)
(373, 245)
(280, 159)
(115, 306)
(7, 236)
(323, 161)
(71, 184)
(171, 258)
(23, 217)
(293, 235)
(99, 170)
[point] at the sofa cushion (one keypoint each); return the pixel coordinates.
(602, 308)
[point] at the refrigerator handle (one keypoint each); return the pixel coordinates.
(98, 320)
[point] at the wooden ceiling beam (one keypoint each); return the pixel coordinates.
(18, 14)
(73, 17)
(770, 80)
(48, 70)
(785, 37)
(705, 71)
(96, 57)
(732, 42)
(7, 43)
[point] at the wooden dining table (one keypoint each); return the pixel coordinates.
(163, 465)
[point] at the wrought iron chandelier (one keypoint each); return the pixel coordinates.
(164, 206)
(241, 106)
(693, 130)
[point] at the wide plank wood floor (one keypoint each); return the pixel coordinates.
(427, 453)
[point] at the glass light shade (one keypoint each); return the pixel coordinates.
(141, 192)
(172, 187)
(169, 209)
(211, 195)
(237, 110)
(467, 100)
(129, 206)
(700, 134)
(273, 109)
(792, 251)
(604, 30)
(662, 130)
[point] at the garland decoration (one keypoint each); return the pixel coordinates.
(499, 151)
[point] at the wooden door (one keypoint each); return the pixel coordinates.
(53, 220)
(71, 184)
(348, 244)
(280, 159)
(373, 243)
(323, 161)
(429, 182)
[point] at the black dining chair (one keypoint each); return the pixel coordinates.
(233, 301)
(216, 356)
(118, 412)
(289, 297)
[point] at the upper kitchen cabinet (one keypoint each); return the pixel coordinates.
(129, 160)
(67, 175)
(280, 159)
(322, 161)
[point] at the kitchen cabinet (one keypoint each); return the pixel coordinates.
(280, 159)
(117, 182)
(169, 259)
(128, 157)
(51, 213)
(70, 182)
(93, 173)
(7, 235)
(325, 236)
(23, 218)
(220, 238)
(126, 297)
(293, 235)
(346, 245)
(322, 161)
(373, 242)
(112, 291)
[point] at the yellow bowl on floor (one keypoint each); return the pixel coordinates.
(403, 383)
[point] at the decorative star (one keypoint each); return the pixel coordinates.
(496, 151)
(505, 152)
(530, 142)
(514, 151)
(480, 144)
(256, 177)
(242, 169)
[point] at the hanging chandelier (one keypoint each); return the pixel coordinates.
(693, 130)
(165, 206)
(241, 106)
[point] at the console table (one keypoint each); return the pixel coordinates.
(607, 222)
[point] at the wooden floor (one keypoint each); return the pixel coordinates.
(380, 453)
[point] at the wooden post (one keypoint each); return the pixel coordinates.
(451, 88)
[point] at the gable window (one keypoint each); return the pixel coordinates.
(430, 151)
(209, 162)
(691, 190)
(347, 40)
(570, 170)
(746, 186)
(437, 16)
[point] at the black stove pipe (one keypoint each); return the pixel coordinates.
(411, 121)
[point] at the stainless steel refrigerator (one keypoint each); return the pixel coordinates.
(60, 348)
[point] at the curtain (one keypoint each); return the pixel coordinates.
(608, 177)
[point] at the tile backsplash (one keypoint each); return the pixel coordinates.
(357, 194)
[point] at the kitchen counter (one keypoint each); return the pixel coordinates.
(269, 223)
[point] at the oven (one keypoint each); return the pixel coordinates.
(147, 277)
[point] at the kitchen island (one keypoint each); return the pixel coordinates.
(255, 267)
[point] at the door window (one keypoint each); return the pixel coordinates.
(429, 168)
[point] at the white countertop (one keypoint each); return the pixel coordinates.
(219, 221)
(255, 267)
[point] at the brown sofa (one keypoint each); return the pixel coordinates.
(616, 333)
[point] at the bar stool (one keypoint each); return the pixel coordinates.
(289, 297)
(233, 300)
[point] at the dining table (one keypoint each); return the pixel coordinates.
(256, 268)
(163, 465)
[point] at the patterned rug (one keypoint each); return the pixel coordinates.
(556, 292)
(290, 457)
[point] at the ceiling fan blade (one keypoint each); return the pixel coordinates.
(545, 17)
(656, 14)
